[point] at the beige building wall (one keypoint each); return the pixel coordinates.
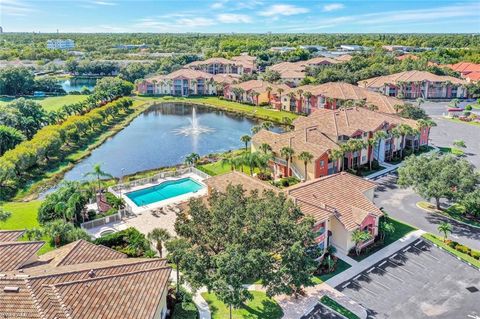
(162, 306)
(340, 236)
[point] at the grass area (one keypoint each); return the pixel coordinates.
(219, 168)
(456, 211)
(340, 267)
(332, 304)
(464, 122)
(475, 106)
(247, 110)
(401, 229)
(52, 103)
(451, 150)
(260, 307)
(439, 242)
(185, 310)
(24, 216)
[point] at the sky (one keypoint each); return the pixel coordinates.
(241, 16)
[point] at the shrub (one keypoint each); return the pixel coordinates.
(129, 241)
(463, 249)
(468, 108)
(475, 254)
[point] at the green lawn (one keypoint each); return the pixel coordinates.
(341, 266)
(456, 211)
(212, 101)
(401, 229)
(439, 242)
(185, 310)
(260, 307)
(332, 304)
(218, 168)
(53, 103)
(24, 216)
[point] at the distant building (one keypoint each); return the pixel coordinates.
(282, 49)
(61, 44)
(351, 47)
(313, 47)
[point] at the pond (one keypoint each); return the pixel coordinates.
(77, 84)
(163, 135)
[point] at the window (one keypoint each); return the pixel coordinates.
(364, 158)
(322, 163)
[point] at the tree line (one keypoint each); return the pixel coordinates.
(54, 142)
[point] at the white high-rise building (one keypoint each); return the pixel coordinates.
(62, 44)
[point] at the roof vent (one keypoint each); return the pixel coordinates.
(91, 273)
(472, 289)
(11, 289)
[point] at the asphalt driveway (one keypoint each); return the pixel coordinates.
(401, 204)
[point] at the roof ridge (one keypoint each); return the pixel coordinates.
(75, 244)
(67, 283)
(304, 184)
(22, 242)
(149, 260)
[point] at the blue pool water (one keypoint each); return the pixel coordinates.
(163, 191)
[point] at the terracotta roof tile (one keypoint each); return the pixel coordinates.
(221, 182)
(14, 255)
(10, 235)
(19, 304)
(408, 76)
(345, 198)
(464, 67)
(80, 252)
(258, 86)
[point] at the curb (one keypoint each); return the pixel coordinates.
(452, 254)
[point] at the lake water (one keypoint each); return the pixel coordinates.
(74, 84)
(154, 139)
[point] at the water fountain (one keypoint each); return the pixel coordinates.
(194, 128)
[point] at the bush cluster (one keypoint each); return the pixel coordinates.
(464, 249)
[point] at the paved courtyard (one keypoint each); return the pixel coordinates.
(418, 281)
(401, 204)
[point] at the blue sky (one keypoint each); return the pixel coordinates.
(357, 16)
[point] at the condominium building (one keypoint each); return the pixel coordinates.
(242, 64)
(79, 280)
(60, 44)
(326, 130)
(417, 84)
(254, 91)
(333, 95)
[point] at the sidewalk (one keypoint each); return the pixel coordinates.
(376, 257)
(202, 305)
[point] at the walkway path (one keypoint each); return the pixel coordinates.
(202, 305)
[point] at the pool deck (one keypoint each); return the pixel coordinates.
(174, 200)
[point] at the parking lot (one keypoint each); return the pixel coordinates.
(419, 281)
(321, 312)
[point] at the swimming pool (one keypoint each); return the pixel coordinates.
(164, 191)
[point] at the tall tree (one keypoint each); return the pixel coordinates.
(287, 153)
(438, 176)
(98, 173)
(306, 157)
(246, 139)
(445, 229)
(177, 249)
(9, 138)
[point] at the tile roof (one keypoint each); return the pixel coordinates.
(239, 61)
(348, 121)
(408, 76)
(289, 70)
(344, 58)
(473, 76)
(464, 67)
(14, 255)
(19, 304)
(246, 60)
(407, 56)
(182, 73)
(80, 252)
(226, 78)
(258, 86)
(221, 182)
(132, 295)
(307, 139)
(317, 61)
(346, 91)
(345, 198)
(10, 235)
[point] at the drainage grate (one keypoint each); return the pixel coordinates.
(472, 289)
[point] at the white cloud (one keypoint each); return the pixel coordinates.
(195, 22)
(15, 8)
(104, 3)
(333, 7)
(283, 9)
(234, 18)
(217, 5)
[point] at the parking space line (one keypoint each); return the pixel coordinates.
(391, 275)
(370, 270)
(427, 254)
(416, 263)
(346, 285)
(375, 282)
(366, 289)
(401, 267)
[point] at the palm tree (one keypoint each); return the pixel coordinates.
(307, 95)
(246, 139)
(372, 142)
(395, 134)
(265, 148)
(267, 125)
(379, 136)
(250, 160)
(300, 98)
(280, 91)
(425, 123)
(256, 128)
(335, 155)
(355, 145)
(159, 235)
(192, 159)
(306, 157)
(358, 237)
(386, 227)
(269, 92)
(287, 153)
(446, 229)
(98, 173)
(404, 130)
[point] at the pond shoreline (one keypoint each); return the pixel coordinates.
(35, 190)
